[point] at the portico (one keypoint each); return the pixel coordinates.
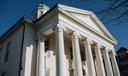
(91, 52)
(68, 48)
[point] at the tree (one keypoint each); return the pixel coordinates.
(117, 10)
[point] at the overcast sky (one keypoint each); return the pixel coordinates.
(12, 10)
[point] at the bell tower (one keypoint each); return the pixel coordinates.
(40, 10)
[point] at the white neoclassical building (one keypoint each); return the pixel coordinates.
(61, 41)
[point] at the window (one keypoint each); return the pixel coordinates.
(41, 13)
(118, 59)
(46, 45)
(7, 52)
(4, 73)
(71, 54)
(1, 50)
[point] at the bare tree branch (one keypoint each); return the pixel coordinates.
(117, 9)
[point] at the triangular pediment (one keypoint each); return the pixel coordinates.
(89, 19)
(86, 19)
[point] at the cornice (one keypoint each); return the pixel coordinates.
(83, 24)
(102, 26)
(73, 9)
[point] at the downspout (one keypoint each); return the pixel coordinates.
(21, 52)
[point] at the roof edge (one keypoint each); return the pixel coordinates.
(22, 20)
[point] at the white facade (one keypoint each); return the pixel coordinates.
(65, 41)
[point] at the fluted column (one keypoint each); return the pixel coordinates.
(89, 58)
(60, 54)
(76, 55)
(107, 63)
(114, 64)
(41, 52)
(99, 60)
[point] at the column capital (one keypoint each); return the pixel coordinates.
(60, 51)
(107, 62)
(75, 35)
(60, 27)
(41, 37)
(40, 56)
(106, 49)
(98, 45)
(87, 40)
(112, 53)
(99, 60)
(89, 57)
(114, 64)
(76, 55)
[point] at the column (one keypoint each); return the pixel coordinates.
(40, 57)
(60, 54)
(99, 60)
(28, 60)
(107, 63)
(114, 64)
(89, 58)
(76, 56)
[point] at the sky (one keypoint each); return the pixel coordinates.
(12, 10)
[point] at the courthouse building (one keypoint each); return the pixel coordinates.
(61, 41)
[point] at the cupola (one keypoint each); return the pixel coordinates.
(40, 10)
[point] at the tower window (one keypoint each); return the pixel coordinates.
(41, 13)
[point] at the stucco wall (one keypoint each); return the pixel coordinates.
(29, 52)
(12, 65)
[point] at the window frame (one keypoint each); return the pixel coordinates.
(8, 47)
(4, 73)
(1, 48)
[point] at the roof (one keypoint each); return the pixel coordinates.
(43, 5)
(24, 19)
(122, 49)
(15, 26)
